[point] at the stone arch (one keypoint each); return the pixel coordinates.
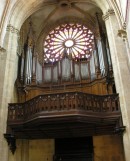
(19, 13)
(21, 10)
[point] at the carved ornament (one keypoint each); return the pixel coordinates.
(122, 32)
(108, 14)
(2, 49)
(12, 29)
(50, 26)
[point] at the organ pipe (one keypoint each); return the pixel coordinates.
(97, 63)
(102, 52)
(92, 67)
(28, 66)
(108, 54)
(22, 67)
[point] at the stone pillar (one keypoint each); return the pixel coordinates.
(121, 73)
(123, 34)
(3, 143)
(8, 66)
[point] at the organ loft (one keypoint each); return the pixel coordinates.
(68, 101)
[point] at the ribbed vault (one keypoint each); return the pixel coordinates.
(22, 9)
(19, 10)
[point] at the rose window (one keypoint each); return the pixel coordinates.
(74, 39)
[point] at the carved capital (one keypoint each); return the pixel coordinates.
(12, 29)
(122, 32)
(109, 13)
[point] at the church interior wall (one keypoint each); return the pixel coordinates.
(107, 148)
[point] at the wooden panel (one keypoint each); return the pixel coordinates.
(98, 86)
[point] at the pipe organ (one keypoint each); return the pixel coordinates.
(80, 59)
(66, 69)
(65, 91)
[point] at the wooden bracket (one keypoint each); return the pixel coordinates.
(120, 130)
(11, 142)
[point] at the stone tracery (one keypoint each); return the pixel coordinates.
(76, 38)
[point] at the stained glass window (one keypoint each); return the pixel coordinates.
(76, 39)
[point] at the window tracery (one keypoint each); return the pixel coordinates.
(74, 38)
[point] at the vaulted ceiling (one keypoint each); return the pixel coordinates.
(54, 12)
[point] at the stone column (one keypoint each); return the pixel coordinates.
(3, 143)
(121, 73)
(8, 66)
(123, 34)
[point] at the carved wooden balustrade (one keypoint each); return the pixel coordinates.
(64, 103)
(62, 115)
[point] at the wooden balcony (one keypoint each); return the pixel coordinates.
(72, 114)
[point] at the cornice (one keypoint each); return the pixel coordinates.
(109, 13)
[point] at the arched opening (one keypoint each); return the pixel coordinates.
(88, 57)
(39, 38)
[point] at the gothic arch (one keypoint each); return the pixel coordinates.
(22, 10)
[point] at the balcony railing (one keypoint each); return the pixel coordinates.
(51, 104)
